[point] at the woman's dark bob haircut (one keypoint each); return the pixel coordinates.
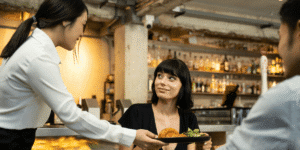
(177, 68)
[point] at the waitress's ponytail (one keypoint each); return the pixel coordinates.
(18, 38)
(50, 14)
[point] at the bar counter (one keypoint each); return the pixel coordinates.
(61, 130)
(54, 133)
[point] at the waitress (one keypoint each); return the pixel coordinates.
(31, 84)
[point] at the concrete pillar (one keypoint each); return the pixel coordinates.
(131, 71)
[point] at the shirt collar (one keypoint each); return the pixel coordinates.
(44, 39)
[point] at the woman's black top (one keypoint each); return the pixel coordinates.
(141, 116)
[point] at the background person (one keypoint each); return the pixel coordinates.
(170, 101)
(31, 85)
(274, 121)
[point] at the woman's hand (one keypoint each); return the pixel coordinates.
(144, 139)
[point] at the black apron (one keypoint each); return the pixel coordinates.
(17, 139)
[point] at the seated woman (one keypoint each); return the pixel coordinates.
(169, 106)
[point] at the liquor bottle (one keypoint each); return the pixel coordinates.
(150, 82)
(233, 65)
(207, 87)
(207, 64)
(198, 84)
(227, 80)
(257, 66)
(190, 62)
(154, 61)
(273, 67)
(239, 65)
(244, 67)
(249, 67)
(258, 89)
(217, 64)
(212, 84)
(194, 90)
(149, 59)
(223, 84)
(203, 83)
(244, 88)
(169, 56)
(240, 89)
(277, 66)
(280, 67)
(220, 86)
(253, 67)
(222, 66)
(179, 56)
(213, 63)
(175, 56)
(196, 63)
(269, 66)
(185, 60)
(158, 60)
(226, 64)
(201, 64)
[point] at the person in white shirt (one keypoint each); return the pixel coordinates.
(31, 85)
(274, 121)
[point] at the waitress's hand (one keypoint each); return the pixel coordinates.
(206, 145)
(144, 139)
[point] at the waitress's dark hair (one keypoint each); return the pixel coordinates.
(290, 15)
(50, 14)
(177, 68)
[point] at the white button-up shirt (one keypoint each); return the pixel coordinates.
(31, 85)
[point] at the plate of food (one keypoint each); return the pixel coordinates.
(170, 135)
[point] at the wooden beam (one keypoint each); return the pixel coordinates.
(160, 7)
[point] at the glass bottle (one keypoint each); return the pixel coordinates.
(193, 85)
(203, 89)
(277, 66)
(212, 84)
(217, 64)
(253, 67)
(179, 56)
(257, 66)
(201, 64)
(150, 82)
(158, 60)
(202, 86)
(249, 67)
(207, 64)
(226, 64)
(198, 84)
(239, 66)
(280, 67)
(273, 67)
(196, 63)
(213, 63)
(190, 62)
(222, 65)
(169, 56)
(175, 55)
(185, 60)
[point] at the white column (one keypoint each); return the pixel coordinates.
(131, 71)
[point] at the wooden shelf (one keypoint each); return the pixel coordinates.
(151, 71)
(202, 49)
(221, 94)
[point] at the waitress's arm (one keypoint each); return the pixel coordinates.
(45, 80)
(121, 147)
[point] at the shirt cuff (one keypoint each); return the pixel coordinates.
(128, 137)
